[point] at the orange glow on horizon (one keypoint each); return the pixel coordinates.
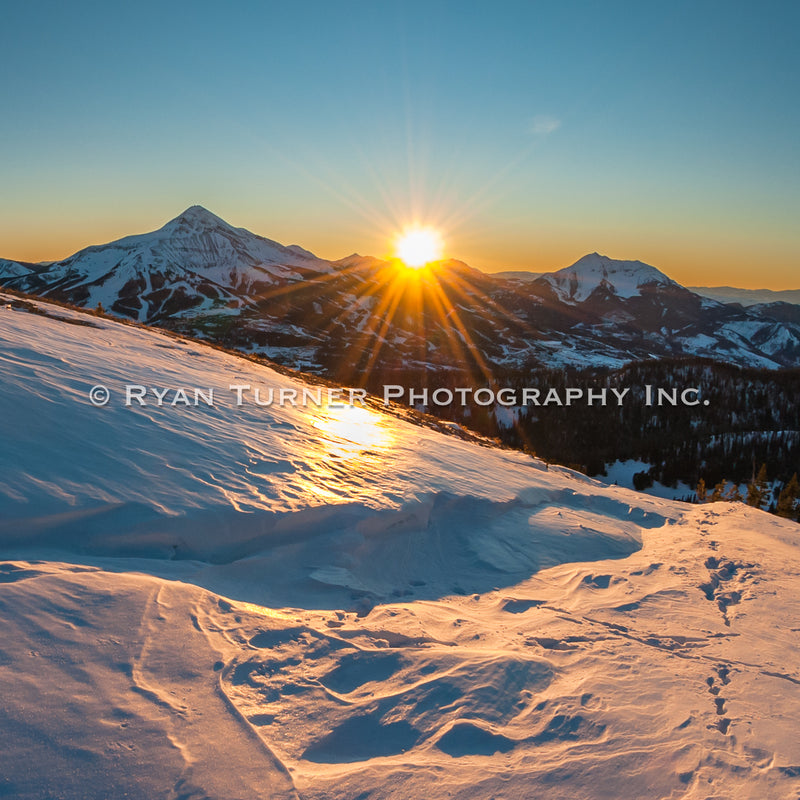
(690, 261)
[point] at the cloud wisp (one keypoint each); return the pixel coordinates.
(545, 124)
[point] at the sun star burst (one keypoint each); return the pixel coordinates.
(416, 247)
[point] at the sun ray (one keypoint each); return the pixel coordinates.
(456, 346)
(461, 328)
(389, 306)
(424, 302)
(458, 284)
(390, 294)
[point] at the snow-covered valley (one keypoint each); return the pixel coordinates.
(240, 601)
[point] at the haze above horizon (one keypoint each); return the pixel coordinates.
(528, 134)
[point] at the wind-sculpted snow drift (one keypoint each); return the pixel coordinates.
(236, 601)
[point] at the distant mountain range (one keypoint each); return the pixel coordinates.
(723, 294)
(748, 297)
(200, 275)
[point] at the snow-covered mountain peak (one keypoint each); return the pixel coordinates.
(197, 219)
(197, 261)
(619, 277)
(198, 215)
(198, 239)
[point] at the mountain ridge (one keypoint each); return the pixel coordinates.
(747, 297)
(200, 274)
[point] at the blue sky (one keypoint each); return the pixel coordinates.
(531, 133)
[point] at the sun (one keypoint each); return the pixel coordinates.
(416, 247)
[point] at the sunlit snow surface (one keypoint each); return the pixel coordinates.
(219, 483)
(241, 602)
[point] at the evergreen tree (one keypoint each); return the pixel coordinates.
(734, 495)
(702, 492)
(787, 500)
(719, 491)
(757, 488)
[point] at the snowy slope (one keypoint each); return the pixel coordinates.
(13, 269)
(165, 479)
(241, 601)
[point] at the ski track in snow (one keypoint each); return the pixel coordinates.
(251, 602)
